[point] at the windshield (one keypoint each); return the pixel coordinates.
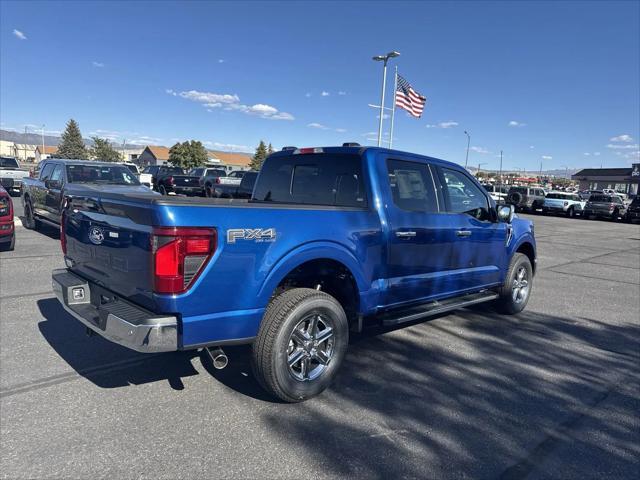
(172, 170)
(6, 162)
(113, 175)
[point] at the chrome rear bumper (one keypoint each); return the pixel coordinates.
(117, 320)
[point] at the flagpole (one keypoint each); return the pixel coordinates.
(393, 111)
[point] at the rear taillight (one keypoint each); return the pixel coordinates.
(63, 238)
(170, 180)
(218, 181)
(179, 256)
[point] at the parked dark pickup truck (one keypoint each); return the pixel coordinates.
(42, 197)
(333, 238)
(166, 180)
(242, 190)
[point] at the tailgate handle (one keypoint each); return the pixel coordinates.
(405, 234)
(463, 233)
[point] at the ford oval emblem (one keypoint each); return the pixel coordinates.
(96, 235)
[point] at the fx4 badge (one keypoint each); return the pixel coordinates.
(254, 234)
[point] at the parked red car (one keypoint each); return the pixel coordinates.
(7, 228)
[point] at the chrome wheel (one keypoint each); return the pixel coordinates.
(520, 285)
(310, 347)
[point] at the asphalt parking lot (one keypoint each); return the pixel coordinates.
(552, 392)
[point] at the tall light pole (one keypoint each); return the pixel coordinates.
(566, 172)
(500, 167)
(385, 59)
(466, 160)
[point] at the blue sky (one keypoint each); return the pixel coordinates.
(230, 74)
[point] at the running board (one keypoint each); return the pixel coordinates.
(436, 307)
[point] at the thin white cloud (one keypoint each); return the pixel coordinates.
(515, 123)
(97, 64)
(341, 130)
(622, 138)
(532, 146)
(19, 34)
(617, 146)
(586, 154)
(228, 147)
(319, 126)
(307, 94)
(325, 94)
(449, 124)
(547, 157)
(596, 153)
(171, 92)
(341, 92)
(221, 60)
(231, 102)
(481, 150)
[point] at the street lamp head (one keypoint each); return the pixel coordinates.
(379, 58)
(393, 54)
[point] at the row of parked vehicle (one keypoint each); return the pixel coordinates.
(591, 204)
(200, 181)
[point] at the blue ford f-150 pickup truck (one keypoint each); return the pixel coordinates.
(332, 238)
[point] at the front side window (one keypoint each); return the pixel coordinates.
(464, 195)
(412, 186)
(56, 176)
(45, 173)
(317, 179)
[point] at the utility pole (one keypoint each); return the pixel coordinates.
(466, 160)
(43, 149)
(500, 167)
(478, 171)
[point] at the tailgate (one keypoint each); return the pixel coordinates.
(109, 243)
(185, 181)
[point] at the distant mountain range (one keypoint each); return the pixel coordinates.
(36, 139)
(560, 172)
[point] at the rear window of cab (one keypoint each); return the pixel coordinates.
(315, 179)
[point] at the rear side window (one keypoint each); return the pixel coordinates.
(412, 186)
(464, 195)
(318, 179)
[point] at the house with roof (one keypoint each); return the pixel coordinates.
(153, 155)
(233, 161)
(42, 153)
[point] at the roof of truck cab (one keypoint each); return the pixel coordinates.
(362, 150)
(67, 161)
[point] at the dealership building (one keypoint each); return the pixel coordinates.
(624, 180)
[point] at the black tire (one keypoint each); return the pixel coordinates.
(273, 346)
(506, 303)
(30, 221)
(8, 247)
(162, 190)
(571, 212)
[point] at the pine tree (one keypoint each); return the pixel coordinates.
(103, 150)
(188, 155)
(270, 149)
(259, 156)
(71, 144)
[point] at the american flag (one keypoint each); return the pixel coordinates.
(409, 99)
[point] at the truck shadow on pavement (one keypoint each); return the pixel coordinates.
(478, 396)
(104, 363)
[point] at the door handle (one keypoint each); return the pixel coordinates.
(463, 233)
(405, 234)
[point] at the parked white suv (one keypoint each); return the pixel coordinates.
(568, 204)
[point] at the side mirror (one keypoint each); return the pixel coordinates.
(505, 213)
(52, 183)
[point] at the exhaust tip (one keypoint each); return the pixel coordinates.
(218, 357)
